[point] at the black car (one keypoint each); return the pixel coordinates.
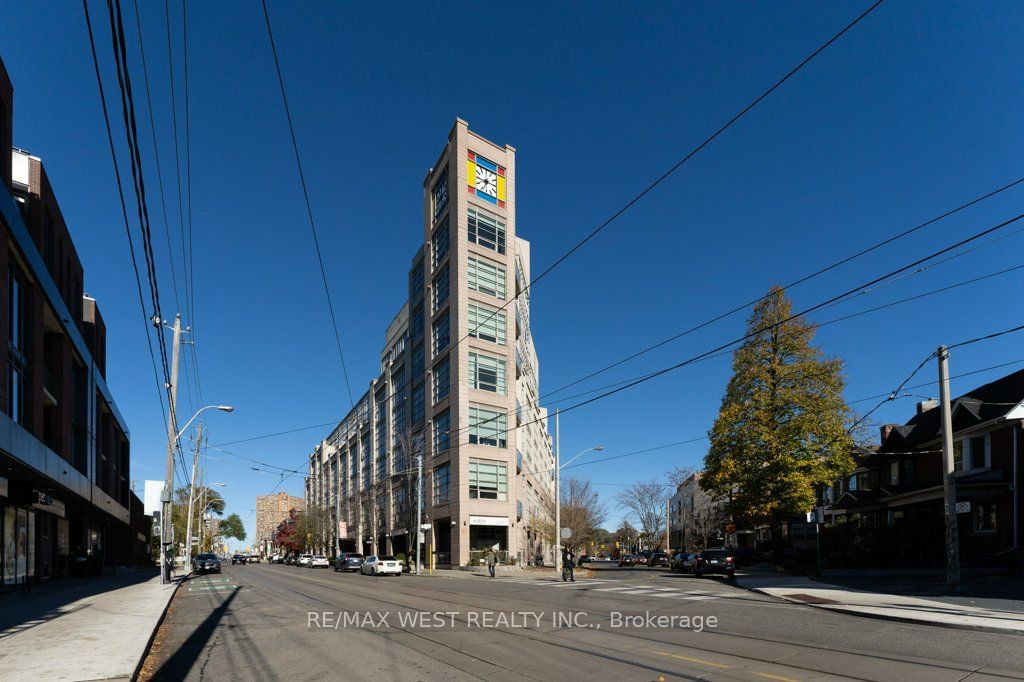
(683, 562)
(658, 559)
(711, 561)
(237, 559)
(349, 561)
(206, 563)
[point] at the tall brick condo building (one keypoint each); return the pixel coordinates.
(457, 389)
(271, 510)
(64, 449)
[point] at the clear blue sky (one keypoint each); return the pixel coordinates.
(913, 112)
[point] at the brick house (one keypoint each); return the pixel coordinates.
(900, 483)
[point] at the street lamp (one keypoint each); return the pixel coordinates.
(558, 492)
(166, 522)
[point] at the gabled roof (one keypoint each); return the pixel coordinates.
(982, 404)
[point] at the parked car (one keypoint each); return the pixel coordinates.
(348, 561)
(640, 560)
(304, 560)
(272, 559)
(254, 558)
(627, 560)
(658, 559)
(583, 558)
(711, 561)
(319, 561)
(381, 565)
(206, 563)
(237, 559)
(683, 562)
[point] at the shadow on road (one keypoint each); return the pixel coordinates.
(178, 664)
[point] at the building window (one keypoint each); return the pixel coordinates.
(417, 404)
(416, 322)
(488, 480)
(486, 230)
(486, 323)
(486, 277)
(440, 193)
(17, 349)
(440, 242)
(985, 516)
(416, 283)
(442, 483)
(442, 428)
(894, 473)
(441, 287)
(417, 361)
(487, 373)
(441, 332)
(442, 379)
(487, 427)
(972, 453)
(382, 468)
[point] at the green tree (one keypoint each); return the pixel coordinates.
(232, 527)
(781, 431)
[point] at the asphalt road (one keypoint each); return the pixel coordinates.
(259, 622)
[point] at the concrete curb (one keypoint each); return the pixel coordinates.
(156, 629)
(881, 616)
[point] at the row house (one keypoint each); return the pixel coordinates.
(900, 482)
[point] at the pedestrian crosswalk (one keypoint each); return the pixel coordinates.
(617, 587)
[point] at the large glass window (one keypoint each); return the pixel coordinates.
(416, 283)
(418, 406)
(18, 320)
(486, 323)
(486, 277)
(440, 193)
(417, 361)
(440, 242)
(442, 427)
(442, 379)
(441, 332)
(487, 427)
(486, 230)
(487, 373)
(441, 287)
(488, 480)
(442, 483)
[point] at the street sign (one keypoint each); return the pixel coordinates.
(963, 507)
(566, 533)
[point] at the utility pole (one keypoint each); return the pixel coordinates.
(558, 501)
(668, 523)
(337, 503)
(419, 506)
(948, 482)
(166, 527)
(192, 499)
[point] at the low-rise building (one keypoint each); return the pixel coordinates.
(899, 485)
(64, 448)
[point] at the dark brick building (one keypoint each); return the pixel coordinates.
(898, 486)
(64, 449)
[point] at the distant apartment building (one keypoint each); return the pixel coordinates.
(64, 448)
(458, 387)
(271, 510)
(697, 520)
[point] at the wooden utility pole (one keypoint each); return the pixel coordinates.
(948, 467)
(166, 526)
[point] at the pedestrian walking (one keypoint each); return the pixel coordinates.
(491, 561)
(568, 564)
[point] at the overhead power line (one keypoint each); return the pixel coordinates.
(305, 195)
(689, 155)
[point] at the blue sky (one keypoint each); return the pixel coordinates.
(913, 112)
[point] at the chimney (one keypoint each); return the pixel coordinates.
(926, 405)
(885, 430)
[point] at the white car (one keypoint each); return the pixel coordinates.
(319, 561)
(304, 560)
(381, 565)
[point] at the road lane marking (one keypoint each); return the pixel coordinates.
(720, 666)
(774, 677)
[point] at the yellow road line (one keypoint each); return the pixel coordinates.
(694, 660)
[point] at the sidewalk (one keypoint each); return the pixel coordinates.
(81, 629)
(884, 606)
